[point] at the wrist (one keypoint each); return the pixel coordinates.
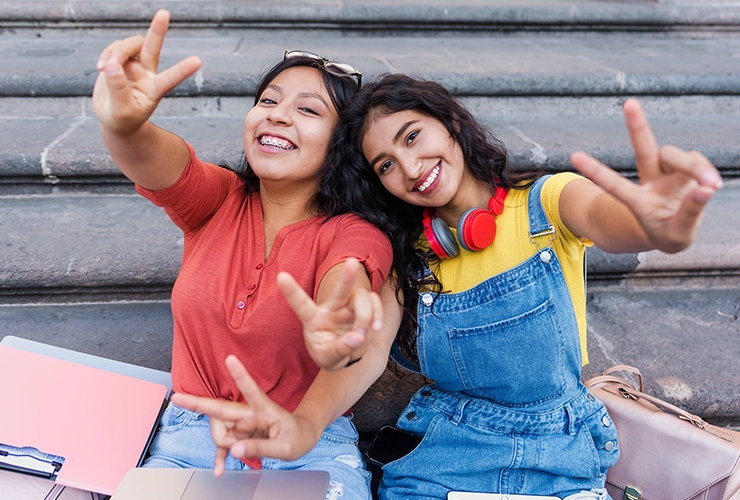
(310, 425)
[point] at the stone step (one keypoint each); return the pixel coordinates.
(54, 145)
(58, 248)
(363, 15)
(45, 62)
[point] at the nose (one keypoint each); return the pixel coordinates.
(279, 115)
(412, 166)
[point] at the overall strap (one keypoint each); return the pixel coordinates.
(539, 225)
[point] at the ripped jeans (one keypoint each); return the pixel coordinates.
(184, 440)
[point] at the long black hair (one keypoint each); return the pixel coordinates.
(341, 91)
(350, 178)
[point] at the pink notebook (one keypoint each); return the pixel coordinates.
(99, 421)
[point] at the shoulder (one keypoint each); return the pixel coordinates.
(554, 184)
(551, 201)
(353, 223)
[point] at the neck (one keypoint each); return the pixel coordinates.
(287, 205)
(472, 195)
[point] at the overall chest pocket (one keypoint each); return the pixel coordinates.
(516, 361)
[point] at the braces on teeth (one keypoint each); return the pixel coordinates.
(275, 142)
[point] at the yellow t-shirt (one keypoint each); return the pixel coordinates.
(511, 247)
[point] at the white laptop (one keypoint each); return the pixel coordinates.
(201, 484)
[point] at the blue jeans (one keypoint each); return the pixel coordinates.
(184, 440)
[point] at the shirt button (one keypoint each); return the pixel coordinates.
(605, 420)
(241, 304)
(545, 257)
(411, 415)
(426, 394)
(591, 397)
(427, 299)
(609, 446)
(259, 266)
(251, 287)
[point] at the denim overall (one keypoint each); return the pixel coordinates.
(507, 412)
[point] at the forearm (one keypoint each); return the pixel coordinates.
(590, 212)
(615, 228)
(151, 157)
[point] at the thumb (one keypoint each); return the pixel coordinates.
(117, 83)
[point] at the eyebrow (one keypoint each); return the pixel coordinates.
(310, 95)
(396, 137)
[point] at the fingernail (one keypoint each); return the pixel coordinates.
(354, 341)
(238, 450)
(711, 179)
(377, 324)
(100, 64)
(113, 67)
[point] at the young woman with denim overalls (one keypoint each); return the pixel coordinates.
(494, 300)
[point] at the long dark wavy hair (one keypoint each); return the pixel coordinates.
(350, 178)
(341, 91)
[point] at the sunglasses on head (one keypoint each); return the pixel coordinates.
(333, 67)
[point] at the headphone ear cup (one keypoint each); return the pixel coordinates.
(443, 238)
(476, 229)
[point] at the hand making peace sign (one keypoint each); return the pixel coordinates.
(338, 330)
(257, 428)
(674, 185)
(128, 87)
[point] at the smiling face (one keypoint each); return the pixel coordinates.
(286, 134)
(416, 159)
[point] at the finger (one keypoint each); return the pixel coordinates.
(337, 353)
(225, 410)
(610, 181)
(643, 140)
(248, 448)
(298, 300)
(114, 48)
(175, 75)
(219, 462)
(363, 309)
(123, 50)
(345, 285)
(256, 398)
(687, 219)
(377, 304)
(154, 39)
(220, 434)
(693, 164)
(117, 84)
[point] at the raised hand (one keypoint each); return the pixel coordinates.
(337, 331)
(257, 428)
(128, 87)
(674, 185)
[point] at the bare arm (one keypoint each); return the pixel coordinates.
(126, 93)
(662, 212)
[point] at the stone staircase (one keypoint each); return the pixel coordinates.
(87, 264)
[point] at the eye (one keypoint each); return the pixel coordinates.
(412, 136)
(383, 168)
(267, 100)
(309, 110)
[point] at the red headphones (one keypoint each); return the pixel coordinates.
(476, 228)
